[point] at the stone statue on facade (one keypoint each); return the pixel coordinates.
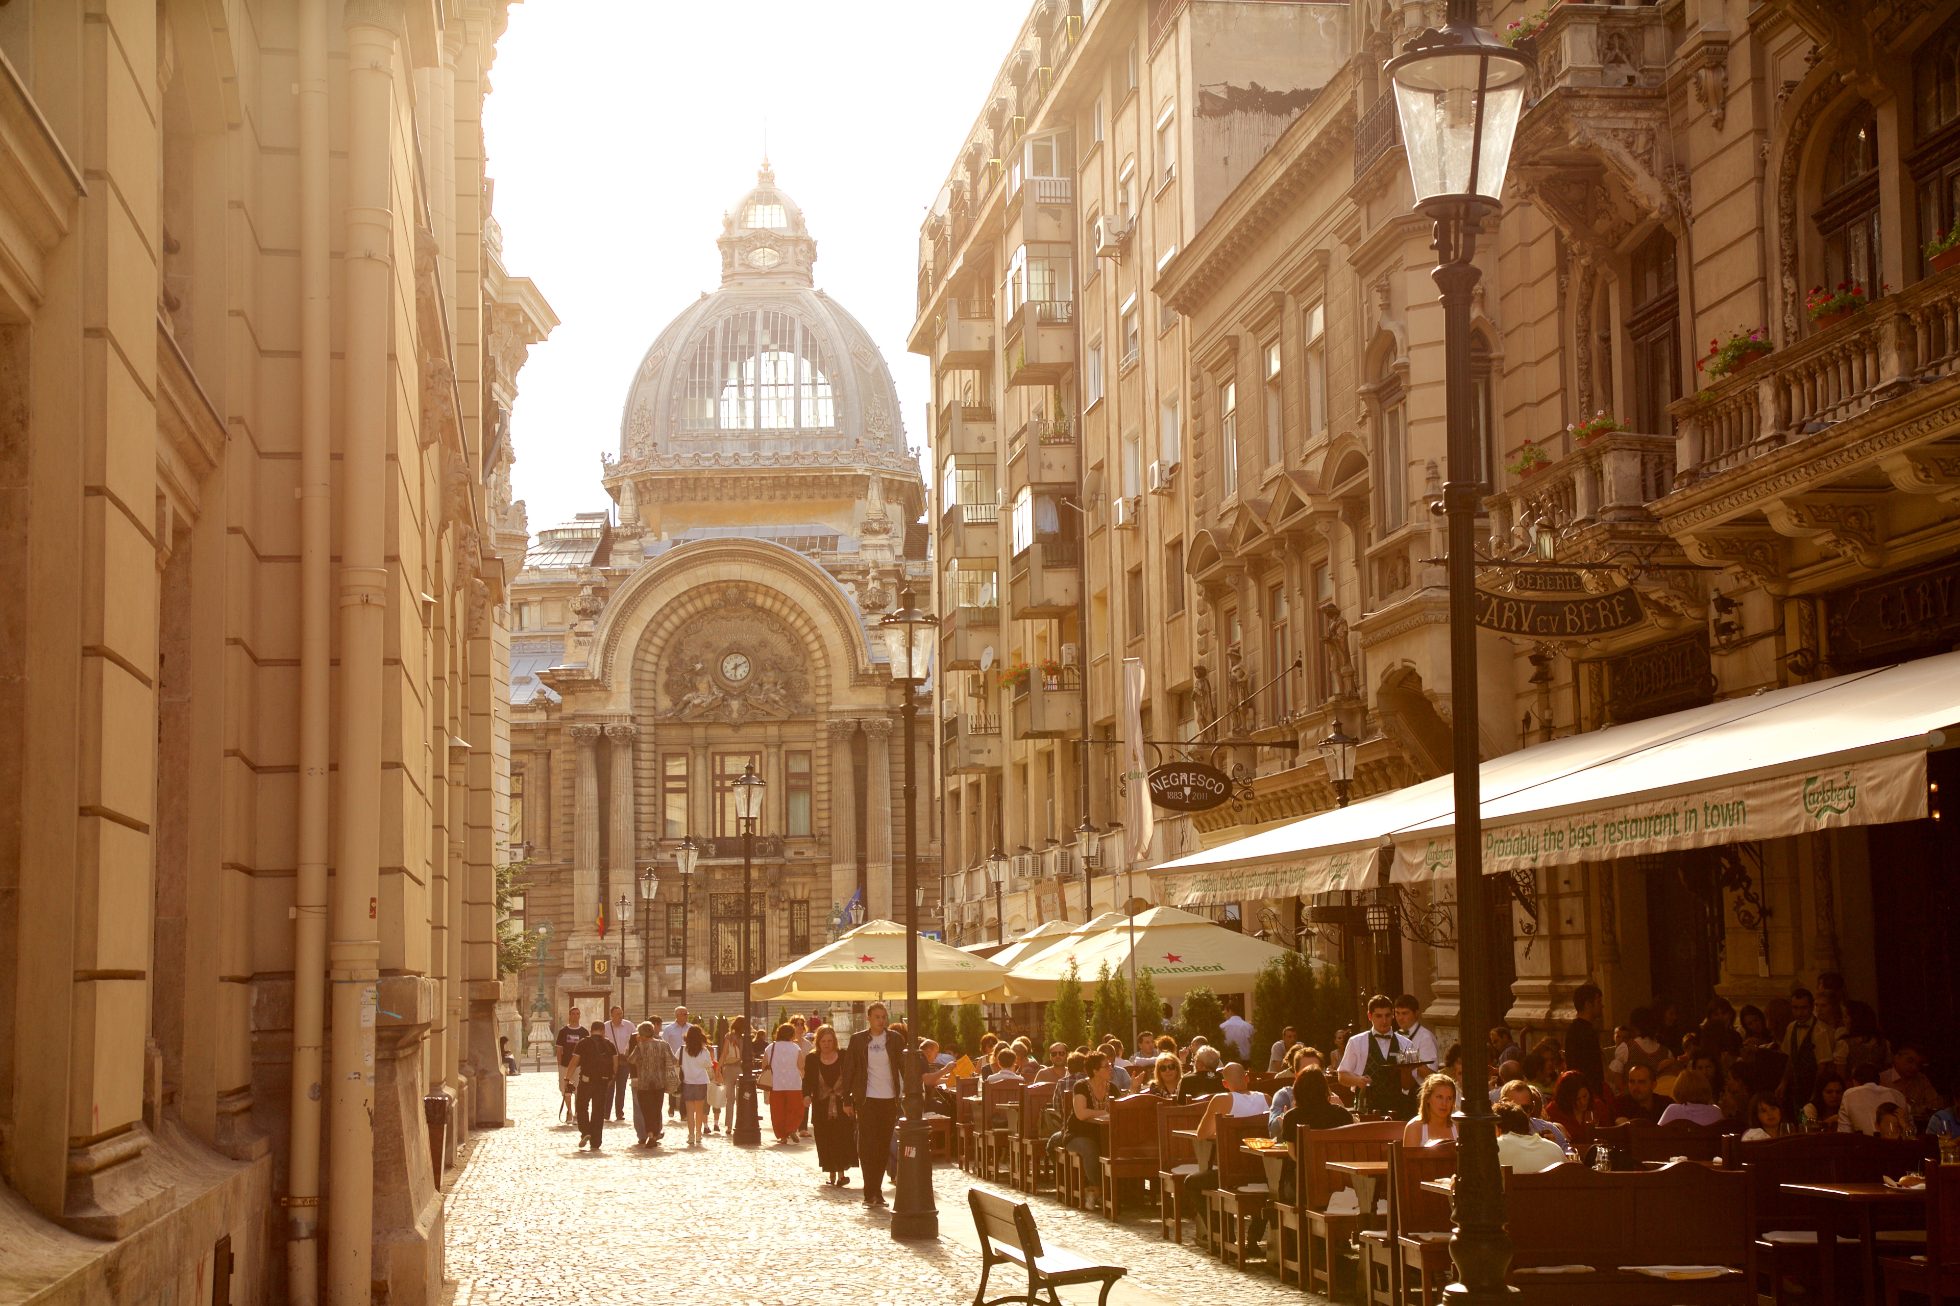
(1340, 651)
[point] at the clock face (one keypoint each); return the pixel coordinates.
(735, 667)
(764, 256)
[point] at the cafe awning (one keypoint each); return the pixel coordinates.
(1846, 751)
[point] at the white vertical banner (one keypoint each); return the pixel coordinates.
(1140, 818)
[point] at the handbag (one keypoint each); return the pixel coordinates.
(766, 1081)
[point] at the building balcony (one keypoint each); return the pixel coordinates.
(965, 632)
(1599, 46)
(1048, 704)
(970, 530)
(1834, 375)
(1040, 344)
(1046, 209)
(972, 742)
(966, 428)
(1047, 578)
(1043, 452)
(1378, 131)
(1612, 479)
(963, 340)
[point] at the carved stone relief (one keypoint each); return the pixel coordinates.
(735, 662)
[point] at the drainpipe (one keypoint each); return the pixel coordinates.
(355, 953)
(315, 661)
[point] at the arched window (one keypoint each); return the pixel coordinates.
(757, 371)
(1391, 453)
(1935, 161)
(1654, 333)
(1847, 217)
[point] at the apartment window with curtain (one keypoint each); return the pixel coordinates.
(1935, 159)
(1392, 457)
(673, 796)
(1654, 334)
(1279, 651)
(1274, 409)
(1847, 216)
(1132, 319)
(1133, 600)
(1170, 437)
(1166, 145)
(1174, 578)
(1316, 357)
(727, 770)
(797, 795)
(1092, 373)
(1228, 437)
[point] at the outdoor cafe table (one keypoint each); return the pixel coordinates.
(1201, 1146)
(1364, 1177)
(1274, 1158)
(1863, 1206)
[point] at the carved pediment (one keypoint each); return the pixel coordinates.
(735, 662)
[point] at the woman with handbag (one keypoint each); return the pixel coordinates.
(697, 1068)
(782, 1068)
(830, 1109)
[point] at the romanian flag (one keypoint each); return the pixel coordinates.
(602, 920)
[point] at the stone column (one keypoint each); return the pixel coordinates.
(585, 830)
(843, 812)
(620, 811)
(879, 819)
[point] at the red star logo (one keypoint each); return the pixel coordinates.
(1172, 958)
(864, 959)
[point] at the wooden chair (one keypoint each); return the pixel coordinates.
(1008, 1237)
(1644, 1142)
(1031, 1165)
(965, 1106)
(1287, 1232)
(1934, 1275)
(1412, 1254)
(1617, 1221)
(1131, 1153)
(1325, 1233)
(990, 1129)
(1177, 1165)
(1239, 1200)
(1786, 1236)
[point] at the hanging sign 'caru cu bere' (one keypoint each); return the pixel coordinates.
(1189, 786)
(1546, 617)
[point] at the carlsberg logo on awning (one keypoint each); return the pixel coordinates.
(1825, 796)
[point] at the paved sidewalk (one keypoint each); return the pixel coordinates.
(532, 1220)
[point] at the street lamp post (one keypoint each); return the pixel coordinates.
(1087, 840)
(625, 912)
(997, 873)
(909, 636)
(540, 1005)
(684, 859)
(1337, 750)
(649, 885)
(1459, 93)
(748, 810)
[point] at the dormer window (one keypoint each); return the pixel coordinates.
(767, 215)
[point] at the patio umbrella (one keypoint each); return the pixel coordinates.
(1179, 951)
(869, 962)
(1034, 941)
(1025, 984)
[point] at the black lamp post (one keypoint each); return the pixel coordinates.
(649, 885)
(748, 810)
(624, 911)
(685, 857)
(1337, 750)
(996, 874)
(909, 636)
(1087, 840)
(1459, 93)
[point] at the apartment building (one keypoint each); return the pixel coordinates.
(1061, 397)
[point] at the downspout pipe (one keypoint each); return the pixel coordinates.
(315, 661)
(354, 955)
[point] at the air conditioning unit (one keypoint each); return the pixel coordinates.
(1125, 513)
(1162, 476)
(1107, 237)
(1024, 866)
(1068, 655)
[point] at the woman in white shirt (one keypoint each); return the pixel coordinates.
(1694, 1101)
(1435, 1104)
(784, 1061)
(697, 1069)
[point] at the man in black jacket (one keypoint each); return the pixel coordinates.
(592, 1071)
(875, 1079)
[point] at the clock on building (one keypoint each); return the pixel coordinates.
(735, 667)
(764, 256)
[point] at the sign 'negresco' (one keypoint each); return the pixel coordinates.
(1189, 786)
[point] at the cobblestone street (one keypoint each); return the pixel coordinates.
(533, 1220)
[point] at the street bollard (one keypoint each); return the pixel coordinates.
(435, 1110)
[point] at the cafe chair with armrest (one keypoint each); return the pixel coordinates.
(1935, 1274)
(1033, 1169)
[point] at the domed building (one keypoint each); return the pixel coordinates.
(765, 513)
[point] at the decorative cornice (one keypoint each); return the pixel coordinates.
(43, 190)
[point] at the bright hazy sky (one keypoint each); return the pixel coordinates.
(619, 131)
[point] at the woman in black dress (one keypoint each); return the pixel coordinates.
(830, 1119)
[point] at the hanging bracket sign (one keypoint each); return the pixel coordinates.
(1189, 786)
(1559, 618)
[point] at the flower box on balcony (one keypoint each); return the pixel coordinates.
(1827, 308)
(1738, 351)
(1943, 251)
(1600, 423)
(1946, 260)
(1531, 460)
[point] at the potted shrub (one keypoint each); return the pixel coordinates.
(1051, 674)
(1943, 252)
(1530, 460)
(1829, 307)
(1520, 30)
(1738, 351)
(1600, 423)
(1015, 675)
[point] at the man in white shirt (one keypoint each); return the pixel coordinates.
(1238, 1033)
(1408, 1019)
(1518, 1148)
(620, 1031)
(1372, 1060)
(1236, 1100)
(1007, 1059)
(1287, 1038)
(873, 1077)
(1860, 1109)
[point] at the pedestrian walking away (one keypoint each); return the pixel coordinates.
(592, 1070)
(874, 1077)
(784, 1060)
(621, 1031)
(656, 1075)
(825, 1076)
(697, 1070)
(676, 1035)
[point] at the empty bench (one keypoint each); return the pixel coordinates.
(1008, 1236)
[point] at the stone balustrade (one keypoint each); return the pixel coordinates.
(1611, 479)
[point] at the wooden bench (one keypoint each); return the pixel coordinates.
(1008, 1237)
(1411, 1256)
(1681, 1214)
(1323, 1232)
(1177, 1165)
(1130, 1151)
(1640, 1141)
(1239, 1201)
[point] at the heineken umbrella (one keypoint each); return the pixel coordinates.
(1034, 941)
(1027, 984)
(869, 962)
(1178, 951)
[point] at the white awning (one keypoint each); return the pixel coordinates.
(1840, 752)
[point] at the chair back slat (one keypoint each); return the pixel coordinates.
(1133, 1127)
(1035, 1098)
(1173, 1150)
(1365, 1141)
(1235, 1165)
(991, 1097)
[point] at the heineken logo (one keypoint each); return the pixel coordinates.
(1829, 796)
(864, 959)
